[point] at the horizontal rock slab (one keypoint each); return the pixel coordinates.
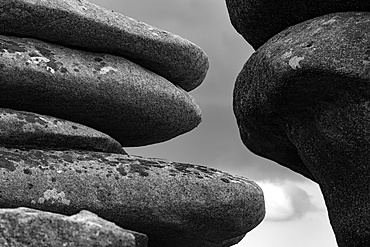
(175, 204)
(302, 100)
(108, 93)
(258, 20)
(31, 130)
(89, 27)
(30, 227)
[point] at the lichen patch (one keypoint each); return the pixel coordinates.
(294, 62)
(37, 60)
(53, 197)
(287, 55)
(329, 21)
(41, 61)
(107, 69)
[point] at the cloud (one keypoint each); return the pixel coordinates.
(286, 202)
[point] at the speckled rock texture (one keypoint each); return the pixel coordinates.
(108, 93)
(259, 20)
(303, 101)
(87, 26)
(31, 130)
(175, 204)
(25, 227)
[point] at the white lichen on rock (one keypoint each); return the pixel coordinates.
(41, 61)
(107, 69)
(329, 21)
(53, 196)
(294, 62)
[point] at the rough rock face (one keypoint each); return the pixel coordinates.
(302, 100)
(108, 93)
(259, 20)
(69, 69)
(24, 227)
(86, 26)
(30, 130)
(175, 204)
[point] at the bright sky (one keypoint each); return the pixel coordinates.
(296, 214)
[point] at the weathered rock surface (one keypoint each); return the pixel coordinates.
(87, 26)
(31, 130)
(25, 227)
(108, 93)
(175, 204)
(302, 100)
(259, 20)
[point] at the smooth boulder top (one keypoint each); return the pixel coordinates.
(31, 130)
(174, 204)
(83, 25)
(30, 227)
(259, 20)
(308, 67)
(108, 93)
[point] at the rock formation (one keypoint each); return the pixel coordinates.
(30, 227)
(101, 91)
(78, 23)
(302, 100)
(181, 203)
(31, 130)
(78, 83)
(259, 20)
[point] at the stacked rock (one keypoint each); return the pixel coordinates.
(70, 69)
(302, 99)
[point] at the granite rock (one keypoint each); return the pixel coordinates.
(31, 130)
(259, 20)
(25, 227)
(86, 26)
(302, 100)
(230, 242)
(108, 93)
(175, 204)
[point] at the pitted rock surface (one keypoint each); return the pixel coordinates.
(87, 217)
(259, 20)
(86, 26)
(183, 204)
(108, 93)
(31, 130)
(293, 65)
(302, 100)
(25, 227)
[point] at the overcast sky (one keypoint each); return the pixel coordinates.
(296, 213)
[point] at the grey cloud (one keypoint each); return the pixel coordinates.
(286, 202)
(301, 201)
